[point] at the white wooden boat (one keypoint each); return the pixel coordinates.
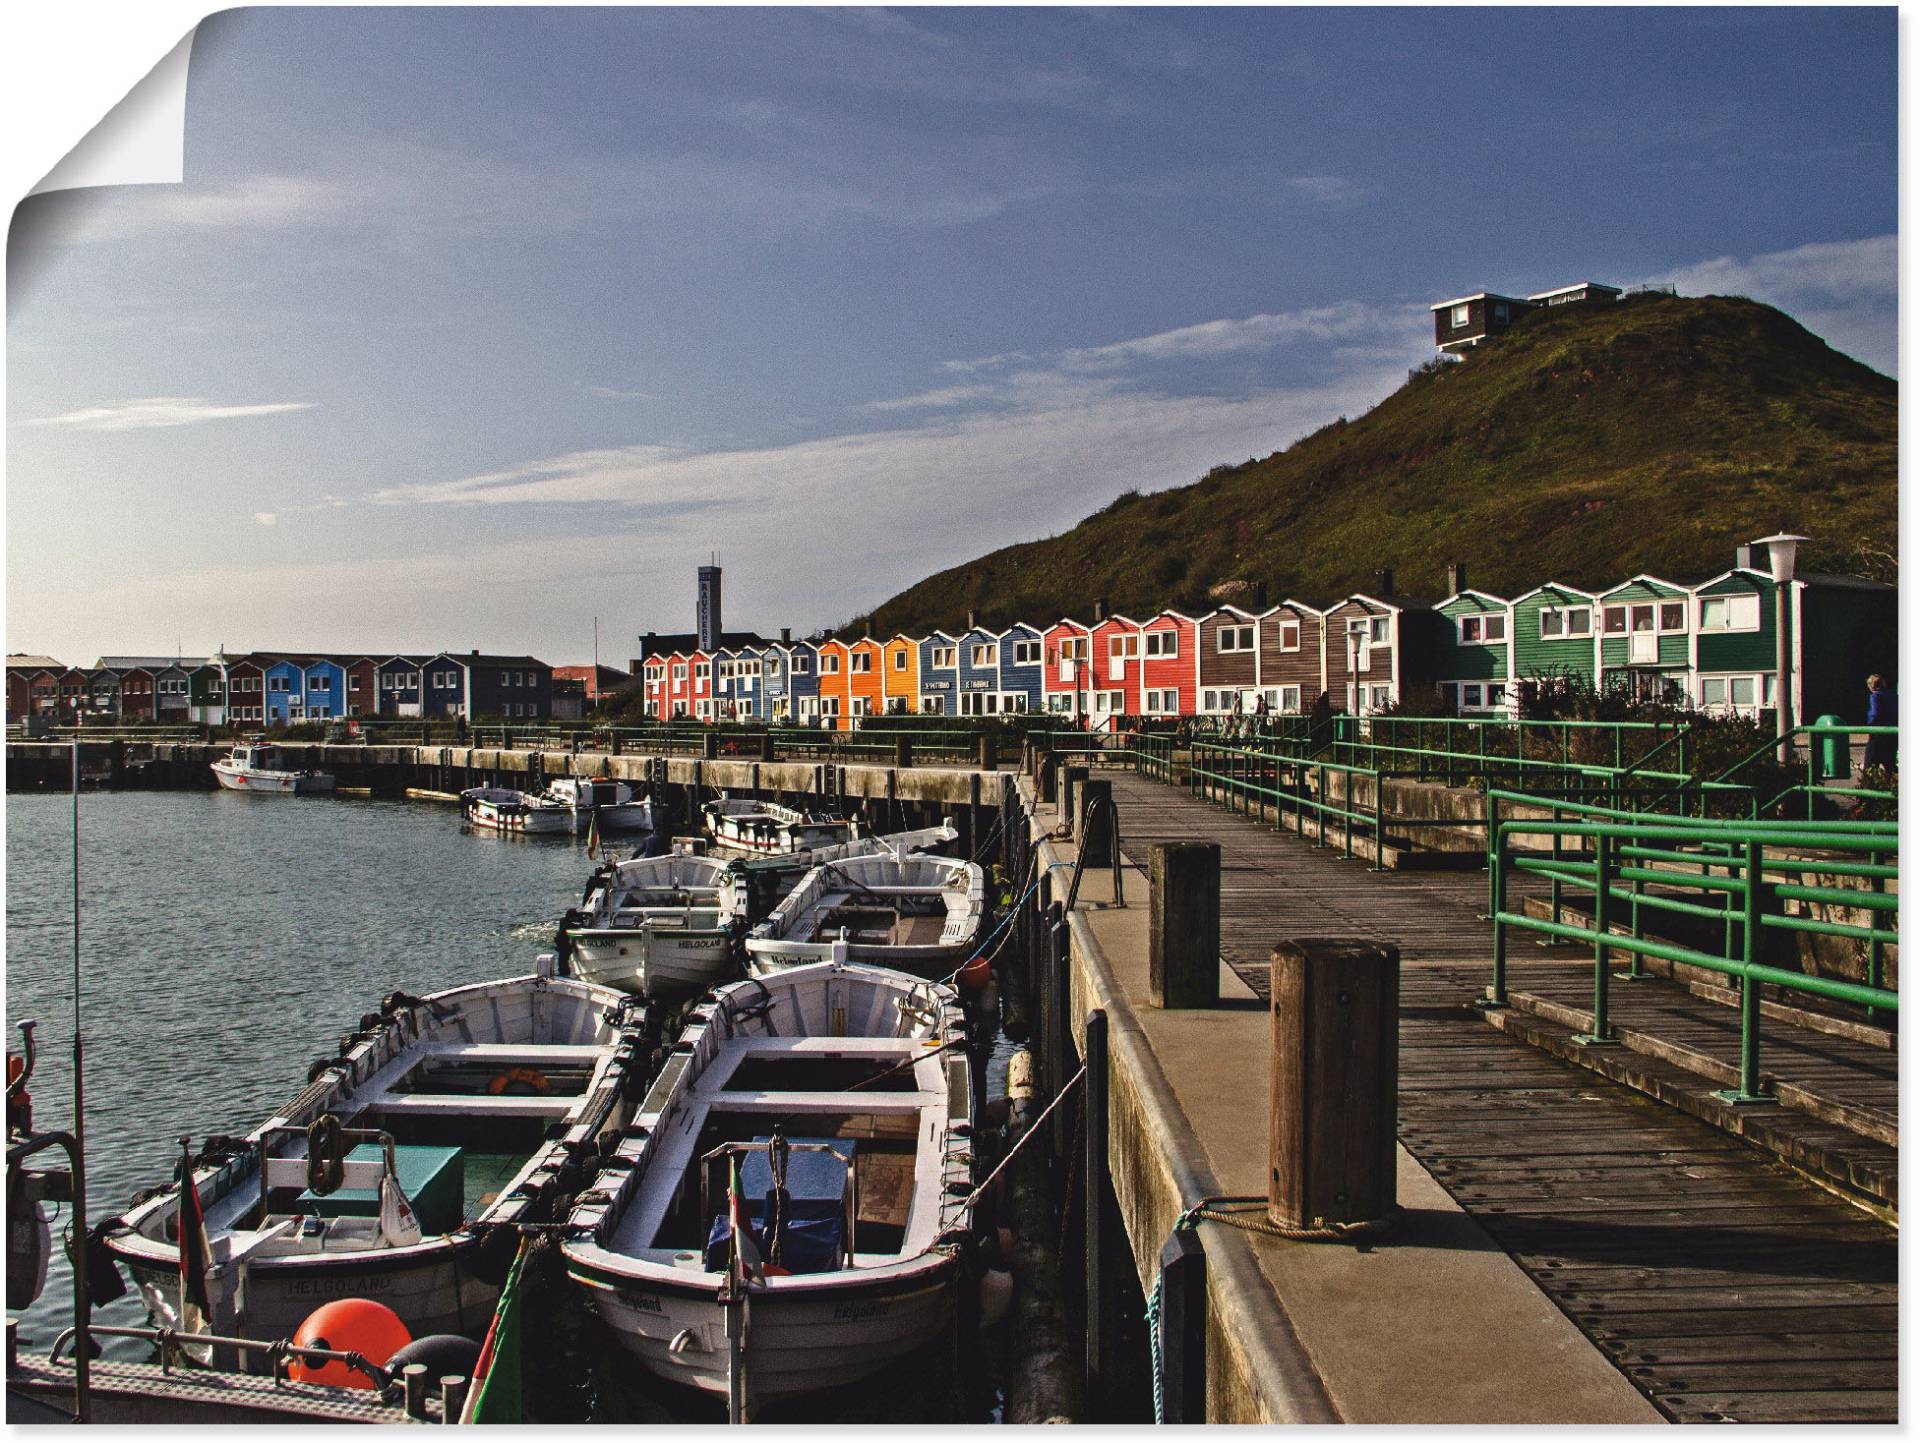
(485, 1103)
(864, 1073)
(658, 926)
(502, 809)
(918, 913)
(761, 829)
(618, 806)
(259, 767)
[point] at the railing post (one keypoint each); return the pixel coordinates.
(1093, 1173)
(1876, 959)
(1181, 1343)
(1602, 954)
(1497, 889)
(1379, 828)
(1750, 1089)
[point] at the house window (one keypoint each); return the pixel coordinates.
(862, 661)
(1123, 645)
(1076, 648)
(801, 665)
(899, 661)
(1234, 638)
(1289, 636)
(1163, 643)
(680, 672)
(1013, 701)
(1613, 620)
(1458, 317)
(1288, 700)
(861, 706)
(1483, 629)
(933, 705)
(1372, 629)
(1113, 701)
(1379, 696)
(317, 682)
(946, 658)
(1566, 621)
(829, 663)
(985, 654)
(1673, 616)
(1060, 703)
(1162, 703)
(1026, 653)
(829, 706)
(1730, 613)
(1212, 700)
(278, 683)
(1500, 312)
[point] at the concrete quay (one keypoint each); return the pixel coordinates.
(1436, 1324)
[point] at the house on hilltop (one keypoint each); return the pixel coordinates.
(1466, 321)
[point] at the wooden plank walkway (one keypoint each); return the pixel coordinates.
(1722, 1283)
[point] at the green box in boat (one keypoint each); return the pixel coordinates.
(431, 1177)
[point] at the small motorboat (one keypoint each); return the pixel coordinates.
(658, 926)
(502, 809)
(761, 829)
(401, 1170)
(615, 806)
(840, 1098)
(920, 914)
(256, 766)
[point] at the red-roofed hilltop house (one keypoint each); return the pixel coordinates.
(601, 682)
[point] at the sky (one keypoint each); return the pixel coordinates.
(470, 326)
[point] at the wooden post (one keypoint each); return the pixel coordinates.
(710, 745)
(1093, 827)
(903, 752)
(1183, 1329)
(1049, 780)
(766, 746)
(1093, 1174)
(1183, 930)
(1070, 780)
(1336, 1077)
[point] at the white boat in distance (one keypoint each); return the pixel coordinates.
(259, 767)
(918, 913)
(475, 1101)
(763, 829)
(569, 804)
(863, 1074)
(667, 926)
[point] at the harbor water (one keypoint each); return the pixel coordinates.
(226, 941)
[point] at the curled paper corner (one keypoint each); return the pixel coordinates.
(141, 141)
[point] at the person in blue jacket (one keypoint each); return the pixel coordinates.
(1883, 710)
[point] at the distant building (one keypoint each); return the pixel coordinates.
(706, 613)
(1466, 321)
(593, 684)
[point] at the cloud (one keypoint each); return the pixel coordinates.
(266, 518)
(154, 412)
(1248, 334)
(610, 393)
(1847, 292)
(1327, 190)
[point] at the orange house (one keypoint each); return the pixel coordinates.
(835, 696)
(900, 679)
(866, 672)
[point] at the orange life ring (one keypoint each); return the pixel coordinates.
(521, 1080)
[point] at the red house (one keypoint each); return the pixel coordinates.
(1064, 676)
(1169, 665)
(1115, 686)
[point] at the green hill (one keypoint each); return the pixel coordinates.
(1589, 443)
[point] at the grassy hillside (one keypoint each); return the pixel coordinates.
(1589, 443)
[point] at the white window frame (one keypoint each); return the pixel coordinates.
(1123, 646)
(859, 706)
(1236, 638)
(861, 662)
(829, 663)
(1731, 606)
(1461, 315)
(933, 704)
(900, 659)
(946, 658)
(1474, 627)
(1026, 653)
(1160, 701)
(1163, 642)
(1289, 628)
(982, 654)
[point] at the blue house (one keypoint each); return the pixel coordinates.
(326, 689)
(1021, 668)
(284, 687)
(803, 683)
(940, 674)
(444, 691)
(737, 683)
(399, 685)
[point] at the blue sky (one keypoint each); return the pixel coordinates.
(470, 325)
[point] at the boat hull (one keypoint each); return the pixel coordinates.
(289, 784)
(651, 962)
(521, 823)
(934, 964)
(797, 1340)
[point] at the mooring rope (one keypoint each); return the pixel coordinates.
(1033, 1128)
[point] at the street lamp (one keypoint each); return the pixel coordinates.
(1780, 557)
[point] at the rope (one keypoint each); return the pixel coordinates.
(1033, 1130)
(999, 927)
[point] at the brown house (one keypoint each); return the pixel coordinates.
(246, 693)
(1466, 321)
(1292, 666)
(1229, 660)
(362, 674)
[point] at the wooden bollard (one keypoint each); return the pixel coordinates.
(1093, 821)
(1071, 779)
(766, 746)
(1048, 778)
(1336, 1080)
(989, 753)
(710, 745)
(903, 752)
(1183, 930)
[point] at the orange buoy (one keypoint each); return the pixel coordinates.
(975, 975)
(348, 1325)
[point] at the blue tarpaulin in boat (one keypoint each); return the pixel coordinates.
(814, 1238)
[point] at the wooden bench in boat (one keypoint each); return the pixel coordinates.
(466, 1104)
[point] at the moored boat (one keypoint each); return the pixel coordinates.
(852, 1086)
(762, 829)
(658, 926)
(612, 805)
(502, 809)
(917, 913)
(255, 766)
(399, 1172)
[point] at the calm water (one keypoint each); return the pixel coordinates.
(226, 940)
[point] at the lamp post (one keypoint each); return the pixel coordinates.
(1780, 557)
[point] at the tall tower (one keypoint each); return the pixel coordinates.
(707, 607)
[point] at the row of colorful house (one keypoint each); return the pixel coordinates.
(1709, 645)
(276, 688)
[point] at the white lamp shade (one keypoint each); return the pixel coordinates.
(1780, 553)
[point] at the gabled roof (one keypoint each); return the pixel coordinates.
(1643, 576)
(26, 661)
(1290, 604)
(1559, 586)
(1844, 583)
(1476, 296)
(1225, 607)
(1471, 591)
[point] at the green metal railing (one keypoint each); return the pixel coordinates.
(1249, 781)
(1621, 857)
(1454, 746)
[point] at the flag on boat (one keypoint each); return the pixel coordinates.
(747, 1267)
(593, 835)
(196, 1306)
(494, 1394)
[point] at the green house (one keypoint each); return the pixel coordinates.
(1734, 663)
(1849, 628)
(1646, 640)
(1471, 662)
(207, 693)
(1555, 637)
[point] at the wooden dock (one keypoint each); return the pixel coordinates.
(1724, 1284)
